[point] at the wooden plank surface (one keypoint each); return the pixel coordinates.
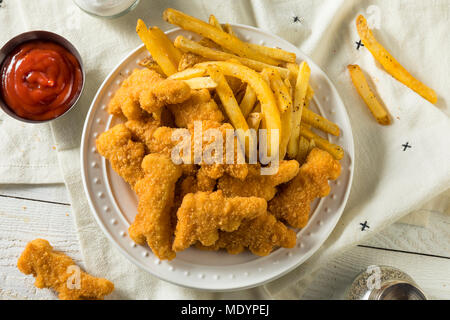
(28, 212)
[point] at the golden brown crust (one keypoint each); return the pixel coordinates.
(125, 155)
(203, 214)
(259, 235)
(293, 203)
(257, 185)
(152, 224)
(55, 270)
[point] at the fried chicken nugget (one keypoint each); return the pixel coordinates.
(125, 155)
(203, 214)
(259, 235)
(152, 224)
(257, 185)
(293, 203)
(147, 90)
(200, 106)
(162, 142)
(52, 270)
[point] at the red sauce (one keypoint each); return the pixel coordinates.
(40, 80)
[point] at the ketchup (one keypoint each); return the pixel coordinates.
(40, 80)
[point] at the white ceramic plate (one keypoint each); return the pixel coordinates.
(114, 204)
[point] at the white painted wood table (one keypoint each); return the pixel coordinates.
(31, 211)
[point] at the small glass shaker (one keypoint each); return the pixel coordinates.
(384, 283)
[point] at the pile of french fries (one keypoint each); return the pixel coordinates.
(258, 86)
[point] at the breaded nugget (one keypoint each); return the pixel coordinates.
(259, 235)
(293, 203)
(152, 224)
(217, 170)
(162, 143)
(200, 106)
(142, 130)
(52, 269)
(203, 214)
(257, 185)
(126, 99)
(164, 93)
(146, 90)
(125, 155)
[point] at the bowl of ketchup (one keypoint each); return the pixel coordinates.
(41, 76)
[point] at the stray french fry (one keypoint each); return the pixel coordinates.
(214, 22)
(248, 101)
(201, 83)
(254, 120)
(269, 108)
(392, 66)
(361, 85)
(301, 87)
(336, 151)
(156, 49)
(196, 48)
(222, 38)
(319, 122)
(303, 149)
(188, 74)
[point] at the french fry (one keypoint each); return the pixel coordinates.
(319, 122)
(293, 74)
(269, 108)
(156, 49)
(222, 38)
(214, 22)
(151, 64)
(392, 66)
(301, 88)
(361, 85)
(284, 101)
(312, 145)
(230, 105)
(227, 28)
(336, 151)
(309, 96)
(196, 48)
(188, 74)
(174, 53)
(303, 148)
(275, 53)
(286, 129)
(201, 83)
(253, 120)
(257, 108)
(248, 101)
(280, 90)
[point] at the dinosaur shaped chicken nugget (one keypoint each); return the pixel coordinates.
(55, 270)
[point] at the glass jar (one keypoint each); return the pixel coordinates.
(106, 8)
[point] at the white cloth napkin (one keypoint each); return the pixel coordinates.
(389, 182)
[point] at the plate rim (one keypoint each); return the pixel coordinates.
(305, 257)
